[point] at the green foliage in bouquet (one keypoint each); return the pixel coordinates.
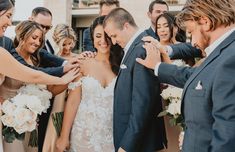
(10, 134)
(33, 139)
(57, 119)
(174, 120)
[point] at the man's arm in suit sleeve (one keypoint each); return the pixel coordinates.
(223, 97)
(50, 60)
(184, 51)
(55, 71)
(174, 75)
(145, 89)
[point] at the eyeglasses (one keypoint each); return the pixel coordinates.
(46, 27)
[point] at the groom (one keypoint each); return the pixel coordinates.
(208, 100)
(137, 101)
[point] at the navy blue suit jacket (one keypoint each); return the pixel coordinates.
(87, 42)
(137, 102)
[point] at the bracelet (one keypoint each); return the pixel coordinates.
(74, 85)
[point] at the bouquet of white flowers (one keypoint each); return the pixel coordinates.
(20, 112)
(173, 108)
(40, 91)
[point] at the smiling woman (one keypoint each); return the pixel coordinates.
(10, 67)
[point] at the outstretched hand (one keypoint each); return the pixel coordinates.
(70, 76)
(161, 48)
(152, 56)
(71, 64)
(86, 54)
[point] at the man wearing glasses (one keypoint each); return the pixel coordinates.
(43, 16)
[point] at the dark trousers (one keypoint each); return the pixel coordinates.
(42, 127)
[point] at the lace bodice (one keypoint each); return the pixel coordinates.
(93, 124)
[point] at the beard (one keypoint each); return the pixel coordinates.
(204, 40)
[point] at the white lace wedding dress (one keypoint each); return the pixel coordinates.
(92, 129)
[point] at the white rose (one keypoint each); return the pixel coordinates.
(35, 105)
(31, 125)
(8, 120)
(39, 91)
(20, 100)
(173, 108)
(8, 107)
(22, 115)
(21, 128)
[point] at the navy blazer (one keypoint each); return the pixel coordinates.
(49, 60)
(151, 33)
(137, 102)
(51, 50)
(208, 99)
(181, 50)
(184, 51)
(87, 42)
(6, 43)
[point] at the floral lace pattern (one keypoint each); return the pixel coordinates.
(92, 129)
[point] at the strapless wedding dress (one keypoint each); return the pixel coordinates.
(92, 129)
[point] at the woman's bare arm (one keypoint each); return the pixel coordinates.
(10, 67)
(70, 111)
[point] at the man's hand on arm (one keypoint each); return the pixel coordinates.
(152, 56)
(162, 48)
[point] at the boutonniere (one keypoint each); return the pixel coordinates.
(123, 66)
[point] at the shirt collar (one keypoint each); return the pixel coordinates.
(217, 42)
(153, 29)
(128, 45)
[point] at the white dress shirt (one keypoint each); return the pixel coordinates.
(128, 45)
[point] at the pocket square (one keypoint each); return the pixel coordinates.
(123, 66)
(199, 86)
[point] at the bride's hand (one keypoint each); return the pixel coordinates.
(62, 144)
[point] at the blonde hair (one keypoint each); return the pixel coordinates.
(220, 12)
(61, 32)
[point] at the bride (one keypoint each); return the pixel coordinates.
(89, 109)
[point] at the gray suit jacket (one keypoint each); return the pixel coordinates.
(208, 100)
(137, 103)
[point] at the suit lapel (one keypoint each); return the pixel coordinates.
(208, 60)
(130, 51)
(151, 33)
(51, 50)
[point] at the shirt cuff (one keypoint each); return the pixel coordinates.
(63, 64)
(169, 50)
(156, 68)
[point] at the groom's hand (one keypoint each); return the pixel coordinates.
(121, 150)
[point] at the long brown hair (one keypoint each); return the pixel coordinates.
(116, 52)
(23, 31)
(5, 5)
